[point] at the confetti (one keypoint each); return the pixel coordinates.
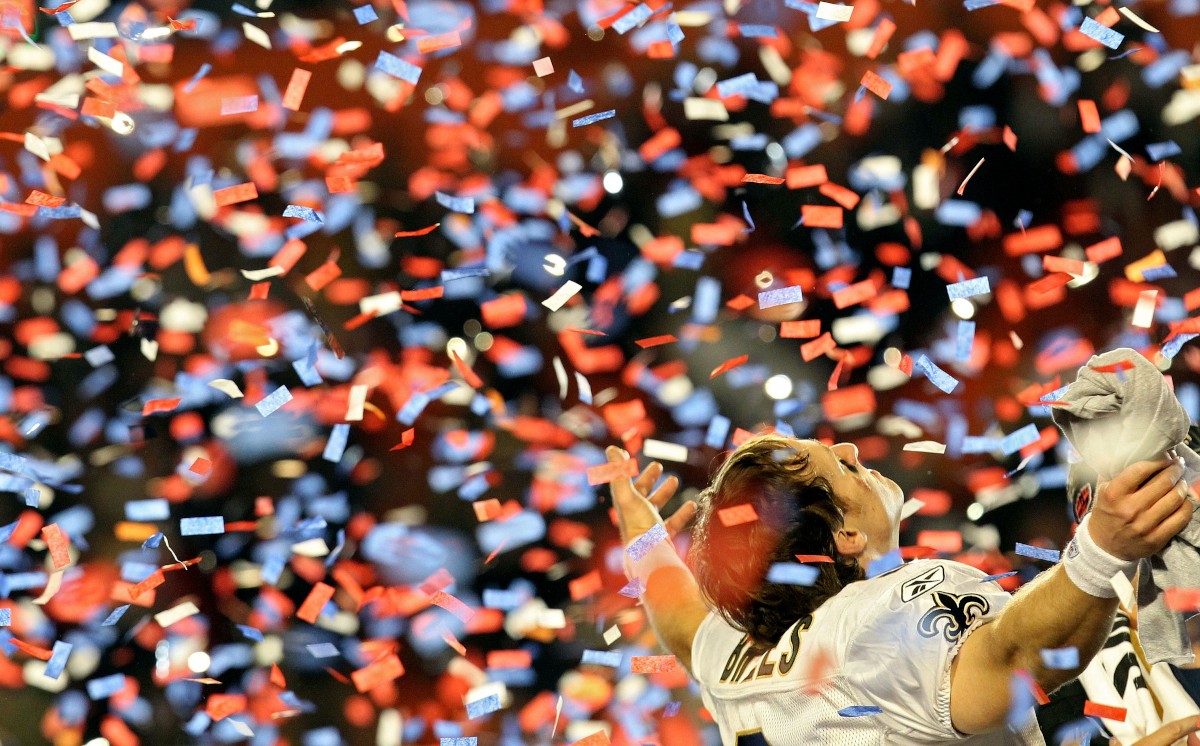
(273, 401)
(202, 526)
(858, 711)
(1025, 550)
(593, 118)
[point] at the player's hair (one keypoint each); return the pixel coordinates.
(798, 513)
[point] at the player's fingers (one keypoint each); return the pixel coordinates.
(665, 492)
(1132, 476)
(681, 519)
(1160, 485)
(1174, 523)
(622, 488)
(648, 477)
(1166, 505)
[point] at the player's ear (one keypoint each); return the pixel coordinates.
(850, 543)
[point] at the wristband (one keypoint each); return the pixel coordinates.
(649, 552)
(1091, 568)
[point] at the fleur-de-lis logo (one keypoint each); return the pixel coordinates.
(951, 615)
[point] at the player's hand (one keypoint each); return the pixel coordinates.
(638, 508)
(1141, 509)
(1168, 734)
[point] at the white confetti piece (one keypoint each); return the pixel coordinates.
(226, 386)
(104, 62)
(256, 35)
(659, 449)
(831, 12)
(257, 275)
(926, 446)
(705, 109)
(52, 587)
(910, 508)
(1133, 17)
(562, 295)
(37, 146)
(560, 373)
(92, 30)
(612, 634)
(354, 407)
(176, 613)
(1143, 312)
(149, 349)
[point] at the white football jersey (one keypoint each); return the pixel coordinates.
(883, 646)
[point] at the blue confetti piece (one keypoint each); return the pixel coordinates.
(364, 14)
(647, 541)
(58, 659)
(1060, 658)
(32, 497)
(1161, 272)
(574, 82)
(889, 561)
(672, 709)
(449, 275)
(749, 220)
(1159, 151)
(205, 69)
(114, 616)
(323, 650)
(936, 375)
(757, 31)
(273, 401)
(611, 658)
(460, 741)
(1022, 219)
(251, 632)
(964, 340)
(154, 509)
(999, 576)
(336, 445)
(858, 711)
(398, 68)
(202, 526)
(780, 296)
(901, 277)
(1025, 550)
(1018, 439)
(1171, 348)
(481, 707)
(305, 213)
(968, 288)
(105, 686)
(593, 118)
(456, 204)
(718, 431)
(792, 573)
(1101, 33)
(635, 588)
(674, 31)
(153, 542)
(5, 617)
(635, 17)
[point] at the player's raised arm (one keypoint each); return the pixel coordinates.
(672, 598)
(1071, 605)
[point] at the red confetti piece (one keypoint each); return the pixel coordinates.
(323, 275)
(813, 558)
(737, 515)
(32, 650)
(876, 85)
(584, 586)
(1107, 249)
(58, 544)
(235, 194)
(822, 216)
(1062, 264)
(288, 255)
(152, 581)
(852, 400)
(761, 179)
(609, 473)
(817, 347)
(507, 310)
(75, 277)
(883, 32)
(728, 365)
(1010, 138)
(652, 663)
(406, 439)
(1182, 599)
(159, 405)
(463, 370)
(1104, 711)
(1116, 367)
(453, 605)
(320, 595)
(296, 87)
(1089, 117)
(840, 194)
(1033, 240)
(423, 293)
(420, 232)
(799, 177)
(509, 659)
(659, 143)
(221, 706)
(388, 668)
(854, 294)
(59, 9)
(656, 341)
(41, 199)
(806, 329)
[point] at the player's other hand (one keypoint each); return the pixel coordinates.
(1169, 734)
(1141, 509)
(637, 507)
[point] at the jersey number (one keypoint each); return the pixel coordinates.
(754, 738)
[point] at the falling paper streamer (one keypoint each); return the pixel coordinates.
(562, 295)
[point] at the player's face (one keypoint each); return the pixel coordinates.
(871, 501)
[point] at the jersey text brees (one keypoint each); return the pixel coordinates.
(778, 658)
